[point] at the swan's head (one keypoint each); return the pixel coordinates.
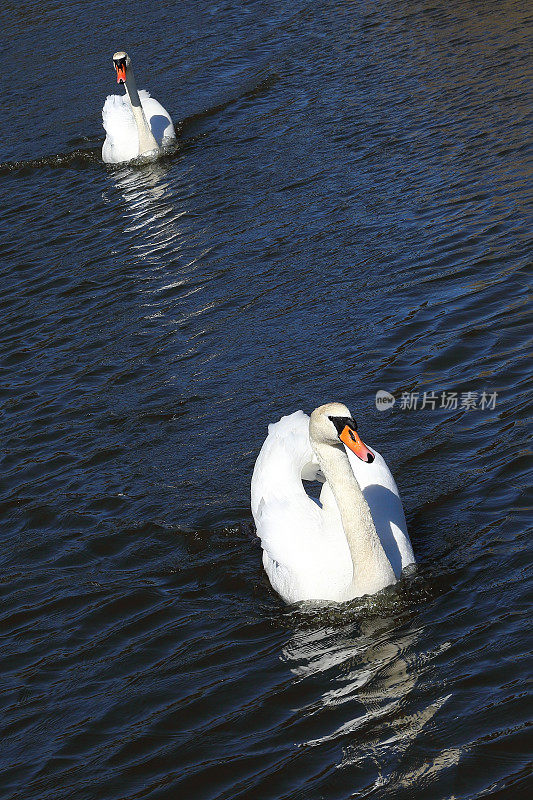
(332, 423)
(121, 62)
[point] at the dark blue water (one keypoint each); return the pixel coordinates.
(349, 210)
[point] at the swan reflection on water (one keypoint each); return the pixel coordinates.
(149, 205)
(154, 212)
(378, 692)
(159, 219)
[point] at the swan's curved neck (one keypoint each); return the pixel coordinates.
(371, 567)
(147, 143)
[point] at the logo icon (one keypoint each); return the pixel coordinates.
(384, 400)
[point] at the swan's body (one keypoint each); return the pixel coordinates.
(355, 541)
(135, 123)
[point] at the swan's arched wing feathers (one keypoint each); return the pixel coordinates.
(285, 452)
(282, 510)
(122, 140)
(288, 527)
(300, 551)
(117, 115)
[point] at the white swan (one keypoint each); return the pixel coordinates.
(355, 541)
(135, 123)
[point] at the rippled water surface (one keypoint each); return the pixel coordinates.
(348, 210)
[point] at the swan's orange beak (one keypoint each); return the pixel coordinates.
(121, 73)
(353, 442)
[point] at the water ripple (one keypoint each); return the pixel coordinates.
(348, 210)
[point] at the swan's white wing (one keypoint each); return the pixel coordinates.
(306, 555)
(383, 498)
(158, 119)
(285, 452)
(285, 529)
(122, 140)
